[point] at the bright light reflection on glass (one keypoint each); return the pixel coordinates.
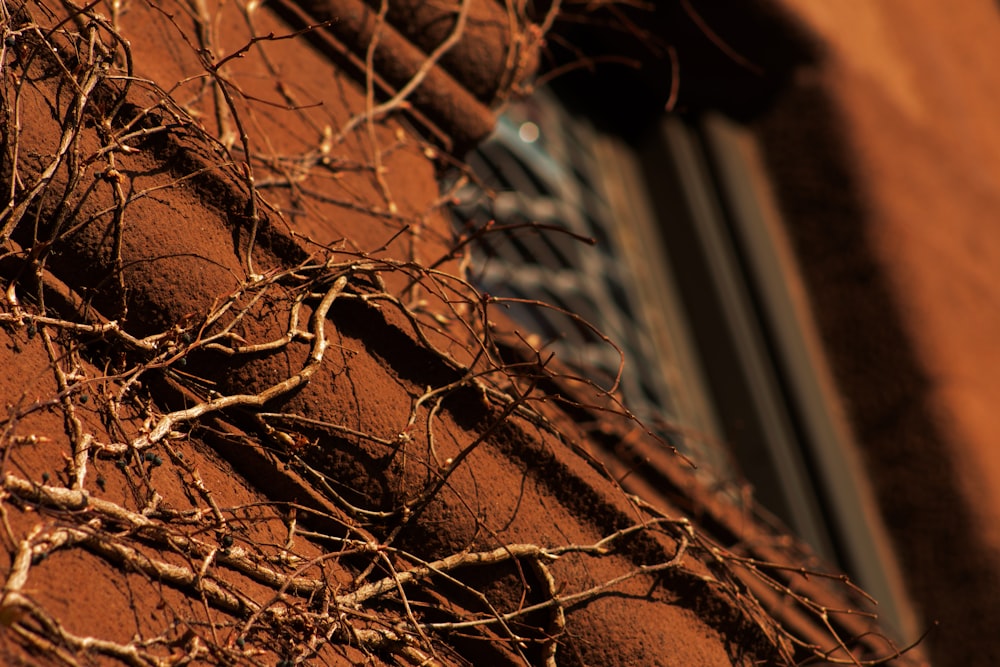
(528, 132)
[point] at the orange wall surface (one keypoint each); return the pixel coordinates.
(886, 153)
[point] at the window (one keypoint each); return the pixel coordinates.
(690, 276)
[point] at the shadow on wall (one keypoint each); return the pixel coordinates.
(886, 392)
(690, 56)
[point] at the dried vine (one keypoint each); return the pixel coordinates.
(140, 397)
